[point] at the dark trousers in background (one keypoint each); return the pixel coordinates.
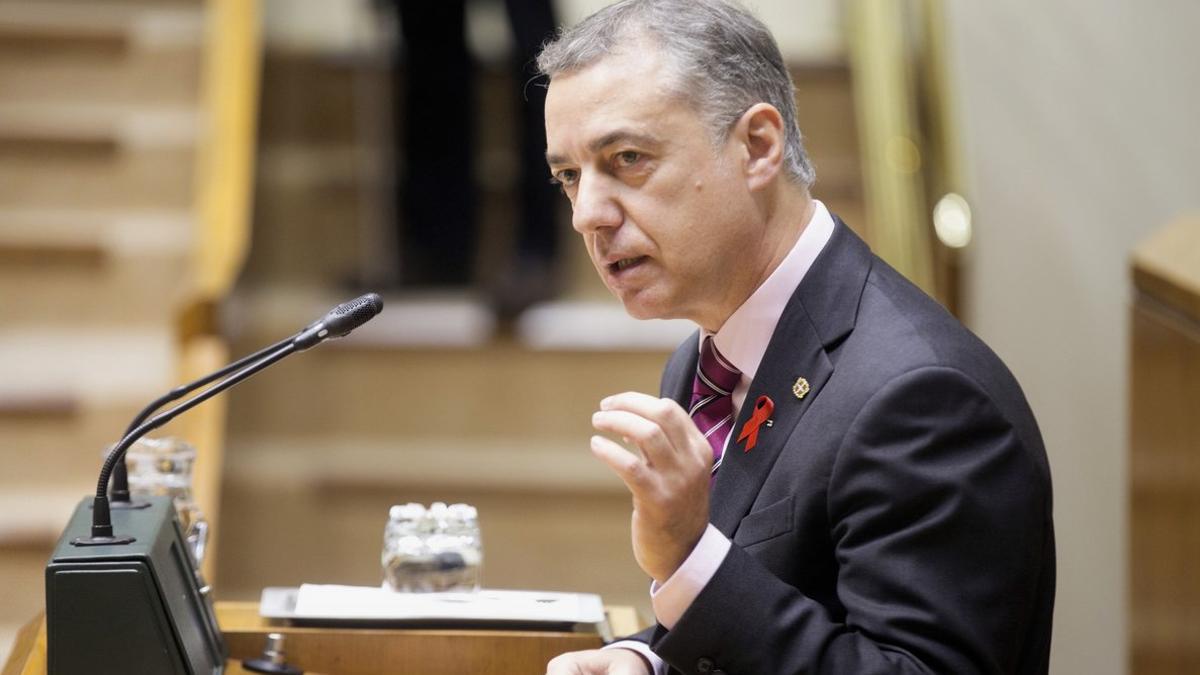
(439, 197)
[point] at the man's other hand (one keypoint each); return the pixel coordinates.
(669, 480)
(599, 662)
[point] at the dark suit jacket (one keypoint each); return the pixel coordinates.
(897, 518)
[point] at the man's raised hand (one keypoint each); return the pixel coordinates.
(669, 481)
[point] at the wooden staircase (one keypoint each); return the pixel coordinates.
(104, 120)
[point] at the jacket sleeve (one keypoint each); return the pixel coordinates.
(939, 518)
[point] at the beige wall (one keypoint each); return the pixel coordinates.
(805, 29)
(1080, 126)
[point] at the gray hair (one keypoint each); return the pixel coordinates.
(725, 60)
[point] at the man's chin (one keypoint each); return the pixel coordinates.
(641, 308)
(640, 315)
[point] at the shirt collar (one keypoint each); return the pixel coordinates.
(743, 339)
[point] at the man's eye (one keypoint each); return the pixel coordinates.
(565, 178)
(628, 158)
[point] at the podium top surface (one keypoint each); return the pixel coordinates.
(1166, 266)
(350, 651)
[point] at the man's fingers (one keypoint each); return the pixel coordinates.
(674, 421)
(646, 434)
(599, 662)
(629, 400)
(562, 668)
(625, 464)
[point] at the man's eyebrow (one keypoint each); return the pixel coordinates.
(611, 138)
(620, 135)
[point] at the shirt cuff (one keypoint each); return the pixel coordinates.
(672, 598)
(656, 664)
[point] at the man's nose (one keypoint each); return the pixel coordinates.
(595, 206)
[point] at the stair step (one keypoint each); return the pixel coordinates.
(42, 405)
(149, 78)
(104, 53)
(41, 177)
(503, 390)
(123, 127)
(113, 234)
(366, 379)
(103, 157)
(348, 462)
(60, 293)
(56, 254)
(98, 27)
(61, 450)
(74, 268)
(94, 365)
(596, 326)
(35, 516)
(443, 320)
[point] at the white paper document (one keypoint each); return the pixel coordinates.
(358, 603)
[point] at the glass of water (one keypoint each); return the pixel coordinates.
(432, 549)
(163, 466)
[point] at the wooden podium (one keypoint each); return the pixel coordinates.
(363, 651)
(1164, 462)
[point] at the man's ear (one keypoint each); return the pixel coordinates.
(760, 129)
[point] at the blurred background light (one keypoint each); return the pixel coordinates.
(952, 220)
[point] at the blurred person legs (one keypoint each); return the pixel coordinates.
(438, 197)
(531, 274)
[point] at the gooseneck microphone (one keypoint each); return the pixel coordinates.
(338, 322)
(119, 494)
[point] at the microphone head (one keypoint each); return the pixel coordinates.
(339, 321)
(351, 314)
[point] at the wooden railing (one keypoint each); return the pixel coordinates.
(910, 154)
(225, 160)
(224, 185)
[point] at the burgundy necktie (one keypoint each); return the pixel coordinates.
(712, 401)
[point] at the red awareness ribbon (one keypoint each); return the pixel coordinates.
(763, 408)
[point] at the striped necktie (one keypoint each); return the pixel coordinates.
(712, 400)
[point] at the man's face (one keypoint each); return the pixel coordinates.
(666, 217)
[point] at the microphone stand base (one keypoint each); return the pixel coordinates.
(117, 540)
(267, 666)
(115, 506)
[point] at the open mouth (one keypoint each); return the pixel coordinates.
(625, 263)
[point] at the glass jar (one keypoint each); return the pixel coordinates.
(163, 466)
(434, 549)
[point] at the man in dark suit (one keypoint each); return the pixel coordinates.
(839, 477)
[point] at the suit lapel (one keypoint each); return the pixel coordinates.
(820, 313)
